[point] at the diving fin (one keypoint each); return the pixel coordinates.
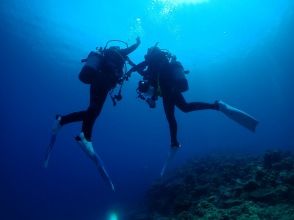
(49, 150)
(87, 147)
(103, 172)
(171, 154)
(54, 131)
(238, 116)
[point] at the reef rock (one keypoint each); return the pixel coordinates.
(226, 188)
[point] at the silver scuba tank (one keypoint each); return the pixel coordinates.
(94, 60)
(91, 68)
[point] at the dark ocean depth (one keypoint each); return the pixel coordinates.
(237, 51)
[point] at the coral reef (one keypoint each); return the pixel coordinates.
(226, 188)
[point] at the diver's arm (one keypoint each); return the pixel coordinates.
(138, 68)
(130, 62)
(130, 49)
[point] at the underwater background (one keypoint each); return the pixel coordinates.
(237, 51)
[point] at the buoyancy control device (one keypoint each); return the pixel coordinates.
(103, 61)
(107, 60)
(175, 74)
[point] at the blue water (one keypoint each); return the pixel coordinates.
(237, 51)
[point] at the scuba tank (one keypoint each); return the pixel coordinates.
(91, 67)
(94, 60)
(164, 68)
(103, 60)
(113, 64)
(172, 71)
(109, 62)
(178, 76)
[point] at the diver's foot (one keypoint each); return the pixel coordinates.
(222, 106)
(86, 145)
(57, 126)
(216, 105)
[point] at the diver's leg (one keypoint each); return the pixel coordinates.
(192, 106)
(66, 119)
(98, 96)
(72, 117)
(169, 109)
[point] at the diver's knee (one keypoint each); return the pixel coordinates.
(184, 108)
(94, 108)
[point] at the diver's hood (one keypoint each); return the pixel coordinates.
(156, 55)
(153, 53)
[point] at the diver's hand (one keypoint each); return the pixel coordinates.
(129, 73)
(138, 41)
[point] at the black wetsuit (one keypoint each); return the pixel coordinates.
(98, 92)
(171, 96)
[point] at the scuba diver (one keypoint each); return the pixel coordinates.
(163, 75)
(166, 75)
(103, 71)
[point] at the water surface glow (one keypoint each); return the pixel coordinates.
(169, 6)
